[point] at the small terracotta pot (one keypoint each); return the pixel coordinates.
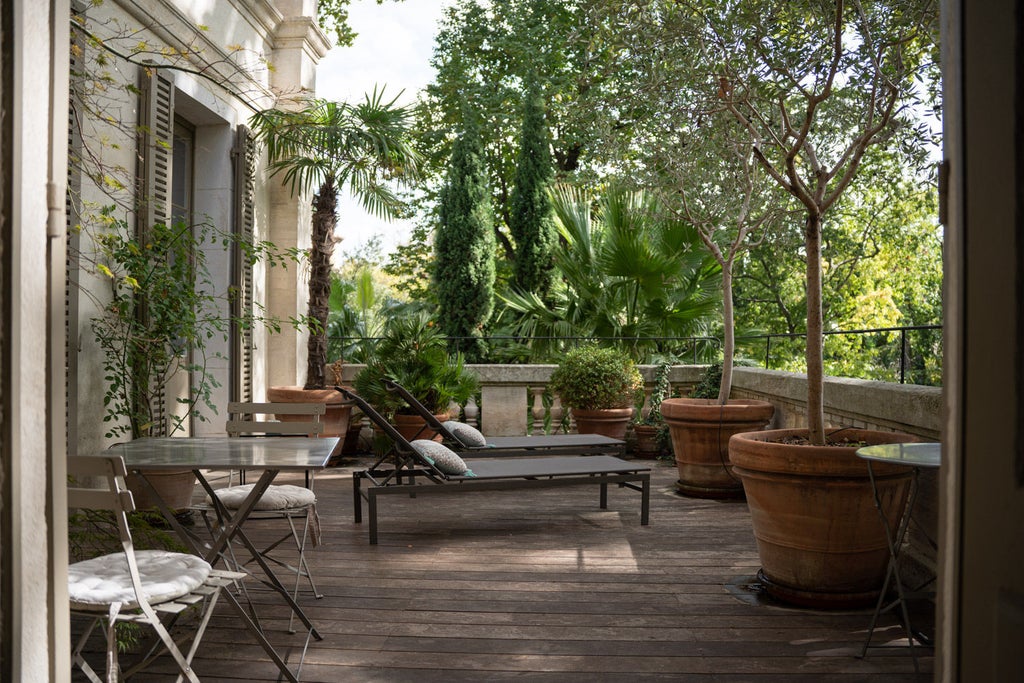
(647, 445)
(611, 422)
(819, 535)
(700, 430)
(338, 410)
(173, 486)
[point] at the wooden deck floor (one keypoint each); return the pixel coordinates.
(545, 586)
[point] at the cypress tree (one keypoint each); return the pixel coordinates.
(530, 220)
(464, 244)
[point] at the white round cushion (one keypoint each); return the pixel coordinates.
(277, 497)
(165, 575)
(467, 434)
(441, 457)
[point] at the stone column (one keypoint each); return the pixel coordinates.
(299, 44)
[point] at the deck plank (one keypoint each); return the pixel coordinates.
(544, 586)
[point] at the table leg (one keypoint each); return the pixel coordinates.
(231, 528)
(892, 573)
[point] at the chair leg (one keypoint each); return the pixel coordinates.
(303, 567)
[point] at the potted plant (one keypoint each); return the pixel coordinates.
(650, 430)
(323, 147)
(852, 87)
(600, 385)
(701, 425)
(153, 331)
(414, 353)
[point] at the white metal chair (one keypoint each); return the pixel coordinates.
(134, 586)
(280, 501)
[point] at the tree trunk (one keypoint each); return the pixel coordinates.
(815, 365)
(728, 335)
(325, 205)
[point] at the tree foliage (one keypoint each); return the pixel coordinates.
(630, 271)
(531, 218)
(464, 261)
(484, 54)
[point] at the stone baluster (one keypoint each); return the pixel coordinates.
(557, 412)
(538, 410)
(472, 411)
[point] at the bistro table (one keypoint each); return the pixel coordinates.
(918, 456)
(269, 455)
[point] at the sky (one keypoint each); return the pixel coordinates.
(393, 49)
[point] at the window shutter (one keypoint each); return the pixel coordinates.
(156, 138)
(245, 156)
(72, 203)
(153, 195)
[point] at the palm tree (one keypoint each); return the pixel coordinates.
(325, 146)
(628, 271)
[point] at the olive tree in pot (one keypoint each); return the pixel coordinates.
(600, 385)
(814, 104)
(323, 147)
(724, 195)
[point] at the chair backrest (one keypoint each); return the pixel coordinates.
(402, 447)
(242, 419)
(110, 470)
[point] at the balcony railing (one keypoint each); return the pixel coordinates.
(906, 354)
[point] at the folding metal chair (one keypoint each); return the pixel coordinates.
(280, 501)
(134, 586)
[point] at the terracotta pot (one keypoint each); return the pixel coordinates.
(611, 422)
(700, 430)
(414, 427)
(173, 486)
(338, 411)
(647, 445)
(819, 536)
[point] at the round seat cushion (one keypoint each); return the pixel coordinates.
(93, 584)
(282, 497)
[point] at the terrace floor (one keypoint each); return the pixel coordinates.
(545, 586)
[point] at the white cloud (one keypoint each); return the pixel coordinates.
(393, 49)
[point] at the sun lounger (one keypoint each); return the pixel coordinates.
(548, 444)
(406, 469)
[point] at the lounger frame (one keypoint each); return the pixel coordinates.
(407, 473)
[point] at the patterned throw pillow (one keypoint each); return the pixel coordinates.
(467, 434)
(442, 457)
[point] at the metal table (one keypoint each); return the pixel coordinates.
(918, 456)
(268, 455)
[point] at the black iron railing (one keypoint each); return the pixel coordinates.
(877, 354)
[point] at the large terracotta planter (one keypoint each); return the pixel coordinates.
(611, 422)
(819, 536)
(338, 410)
(414, 427)
(700, 430)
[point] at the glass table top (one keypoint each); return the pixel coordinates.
(278, 453)
(911, 454)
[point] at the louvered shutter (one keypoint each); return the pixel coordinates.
(153, 198)
(245, 154)
(72, 203)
